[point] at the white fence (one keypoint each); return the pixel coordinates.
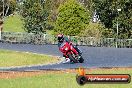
(30, 38)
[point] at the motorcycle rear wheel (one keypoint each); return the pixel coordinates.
(81, 60)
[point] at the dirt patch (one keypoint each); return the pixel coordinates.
(15, 74)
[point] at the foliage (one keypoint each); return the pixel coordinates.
(52, 8)
(108, 33)
(9, 7)
(105, 12)
(93, 30)
(109, 15)
(35, 16)
(12, 5)
(72, 18)
(89, 5)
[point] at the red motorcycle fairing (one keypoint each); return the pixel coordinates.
(67, 48)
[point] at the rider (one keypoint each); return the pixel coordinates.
(61, 39)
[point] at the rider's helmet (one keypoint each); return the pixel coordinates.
(60, 38)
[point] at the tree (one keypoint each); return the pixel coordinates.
(72, 18)
(108, 33)
(104, 10)
(34, 16)
(107, 9)
(93, 30)
(124, 18)
(52, 8)
(89, 5)
(7, 7)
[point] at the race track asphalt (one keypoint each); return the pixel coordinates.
(94, 57)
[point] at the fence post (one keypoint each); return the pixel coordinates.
(0, 34)
(1, 27)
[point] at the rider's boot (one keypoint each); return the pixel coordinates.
(66, 60)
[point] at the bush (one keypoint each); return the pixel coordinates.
(72, 18)
(93, 30)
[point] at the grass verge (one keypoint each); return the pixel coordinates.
(13, 58)
(62, 79)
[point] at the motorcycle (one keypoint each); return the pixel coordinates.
(70, 52)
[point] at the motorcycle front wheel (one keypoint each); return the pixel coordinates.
(72, 58)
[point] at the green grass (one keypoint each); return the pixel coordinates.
(13, 24)
(62, 80)
(13, 58)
